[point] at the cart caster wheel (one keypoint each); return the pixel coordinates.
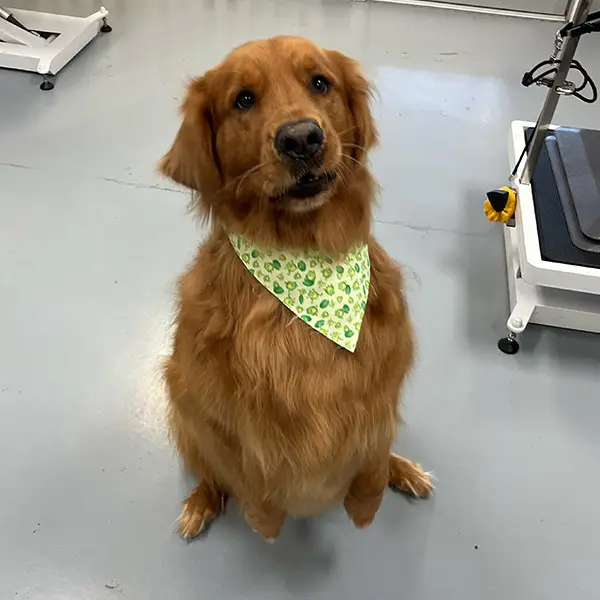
(105, 27)
(509, 344)
(46, 85)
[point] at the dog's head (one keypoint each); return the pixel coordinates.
(275, 139)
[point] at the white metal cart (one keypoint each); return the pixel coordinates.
(558, 287)
(44, 42)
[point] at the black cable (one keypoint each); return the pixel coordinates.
(594, 97)
(532, 77)
(587, 26)
(523, 154)
(591, 24)
(584, 28)
(525, 151)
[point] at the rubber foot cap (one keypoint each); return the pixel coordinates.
(46, 86)
(106, 28)
(508, 346)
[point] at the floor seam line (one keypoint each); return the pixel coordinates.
(427, 229)
(151, 186)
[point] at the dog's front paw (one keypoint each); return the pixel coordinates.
(200, 508)
(409, 477)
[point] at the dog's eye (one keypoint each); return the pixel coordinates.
(320, 84)
(245, 100)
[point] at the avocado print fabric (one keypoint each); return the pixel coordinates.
(329, 295)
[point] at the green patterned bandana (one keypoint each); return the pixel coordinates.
(329, 295)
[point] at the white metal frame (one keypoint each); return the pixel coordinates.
(543, 292)
(27, 52)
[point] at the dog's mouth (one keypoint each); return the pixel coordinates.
(310, 184)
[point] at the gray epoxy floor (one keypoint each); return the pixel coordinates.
(91, 241)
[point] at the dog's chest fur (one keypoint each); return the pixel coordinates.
(296, 411)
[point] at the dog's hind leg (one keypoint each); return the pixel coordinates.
(265, 520)
(408, 477)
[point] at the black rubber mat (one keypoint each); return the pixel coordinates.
(566, 197)
(580, 153)
(555, 241)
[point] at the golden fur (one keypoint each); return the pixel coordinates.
(262, 407)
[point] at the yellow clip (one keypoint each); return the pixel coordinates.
(500, 205)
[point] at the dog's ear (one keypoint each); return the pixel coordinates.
(192, 160)
(358, 93)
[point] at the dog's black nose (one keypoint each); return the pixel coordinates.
(299, 140)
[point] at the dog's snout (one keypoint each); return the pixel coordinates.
(299, 140)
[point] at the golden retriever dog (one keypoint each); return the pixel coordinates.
(263, 407)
